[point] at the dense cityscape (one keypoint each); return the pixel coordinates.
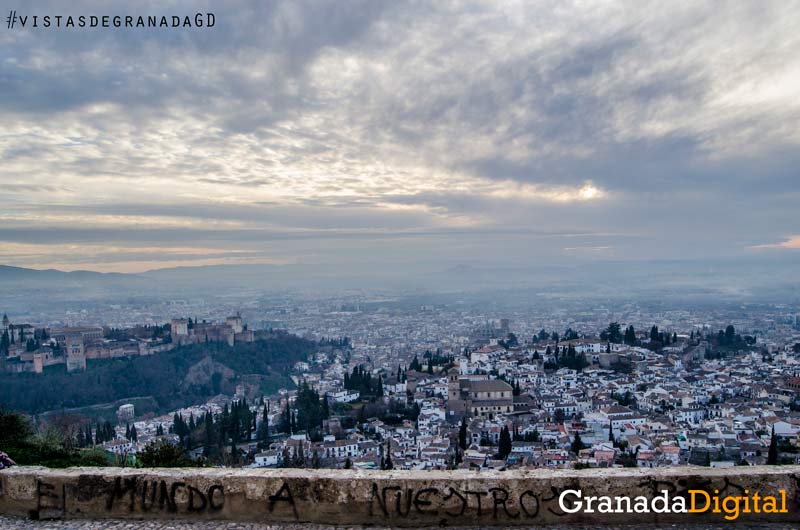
(388, 383)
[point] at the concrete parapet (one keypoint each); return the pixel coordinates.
(407, 498)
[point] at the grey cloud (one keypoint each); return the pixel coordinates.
(358, 99)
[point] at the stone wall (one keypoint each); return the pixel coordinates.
(399, 498)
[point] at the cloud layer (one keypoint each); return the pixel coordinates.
(445, 132)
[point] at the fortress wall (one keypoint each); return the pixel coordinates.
(398, 498)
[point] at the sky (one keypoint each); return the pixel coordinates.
(414, 133)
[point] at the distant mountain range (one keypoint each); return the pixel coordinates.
(746, 278)
(9, 273)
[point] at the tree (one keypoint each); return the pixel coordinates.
(462, 434)
(512, 341)
(654, 334)
(14, 427)
(415, 365)
(161, 453)
(532, 436)
(234, 452)
(262, 433)
(612, 333)
(730, 334)
(309, 407)
(772, 455)
(577, 444)
(504, 447)
(108, 431)
(630, 336)
(285, 424)
(348, 464)
(387, 460)
(326, 412)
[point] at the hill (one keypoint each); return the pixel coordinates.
(185, 375)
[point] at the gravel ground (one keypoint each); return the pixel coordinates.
(7, 523)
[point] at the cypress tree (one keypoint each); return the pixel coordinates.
(462, 434)
(388, 461)
(772, 455)
(577, 444)
(504, 448)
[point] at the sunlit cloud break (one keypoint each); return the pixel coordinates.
(790, 243)
(558, 194)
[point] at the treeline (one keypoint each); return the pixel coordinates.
(102, 433)
(362, 381)
(146, 331)
(342, 343)
(307, 414)
(394, 413)
(544, 336)
(234, 425)
(51, 445)
(31, 343)
(432, 359)
(239, 424)
(565, 357)
(726, 342)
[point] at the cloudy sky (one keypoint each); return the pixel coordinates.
(439, 132)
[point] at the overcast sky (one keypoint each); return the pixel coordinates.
(438, 132)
